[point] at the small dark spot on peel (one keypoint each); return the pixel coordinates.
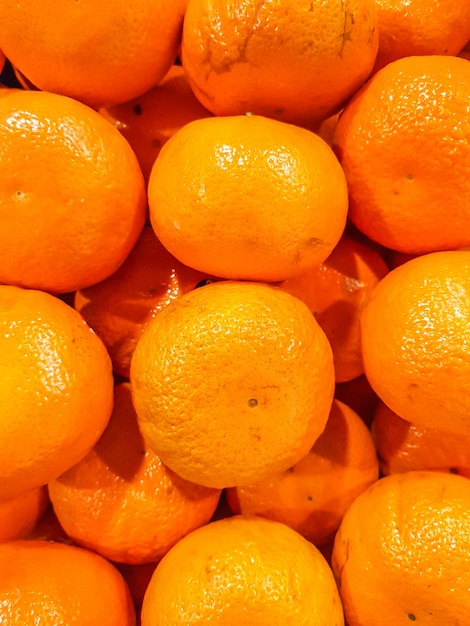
(156, 143)
(310, 498)
(409, 176)
(412, 617)
(252, 402)
(138, 109)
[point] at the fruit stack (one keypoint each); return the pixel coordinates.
(235, 312)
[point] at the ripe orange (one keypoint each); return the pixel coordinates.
(19, 515)
(119, 307)
(336, 291)
(312, 496)
(121, 501)
(89, 51)
(243, 570)
(43, 582)
(406, 155)
(147, 122)
(291, 60)
(232, 383)
(247, 197)
(402, 446)
(421, 27)
(72, 193)
(57, 389)
(415, 337)
(402, 552)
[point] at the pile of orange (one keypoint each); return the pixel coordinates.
(235, 312)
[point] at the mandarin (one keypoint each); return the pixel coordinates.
(247, 197)
(43, 582)
(118, 307)
(121, 501)
(243, 570)
(402, 446)
(313, 495)
(295, 61)
(147, 122)
(403, 142)
(402, 552)
(57, 389)
(232, 383)
(72, 193)
(94, 52)
(415, 341)
(19, 515)
(336, 291)
(421, 27)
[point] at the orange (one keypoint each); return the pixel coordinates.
(243, 570)
(247, 197)
(336, 292)
(405, 152)
(119, 307)
(72, 193)
(19, 515)
(42, 582)
(57, 389)
(232, 383)
(402, 552)
(312, 496)
(415, 337)
(421, 27)
(148, 121)
(295, 61)
(402, 446)
(121, 501)
(89, 51)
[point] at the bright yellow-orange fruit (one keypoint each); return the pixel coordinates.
(402, 552)
(121, 501)
(313, 495)
(243, 570)
(415, 338)
(95, 52)
(44, 582)
(72, 193)
(292, 60)
(57, 389)
(247, 197)
(403, 143)
(232, 383)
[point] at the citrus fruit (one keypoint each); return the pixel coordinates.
(57, 389)
(118, 307)
(415, 335)
(94, 52)
(405, 152)
(232, 382)
(43, 582)
(402, 552)
(291, 60)
(19, 515)
(247, 197)
(72, 193)
(121, 501)
(421, 27)
(242, 570)
(402, 446)
(336, 292)
(148, 121)
(312, 496)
